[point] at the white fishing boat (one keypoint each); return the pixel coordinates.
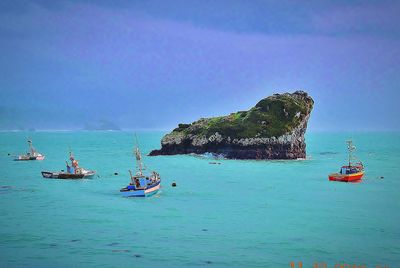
(31, 155)
(74, 171)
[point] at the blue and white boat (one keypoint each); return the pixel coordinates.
(141, 185)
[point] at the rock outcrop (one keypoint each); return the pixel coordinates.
(273, 129)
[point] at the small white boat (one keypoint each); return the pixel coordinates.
(31, 155)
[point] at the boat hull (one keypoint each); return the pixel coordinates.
(66, 176)
(142, 192)
(346, 177)
(29, 158)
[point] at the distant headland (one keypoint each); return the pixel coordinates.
(273, 129)
(101, 125)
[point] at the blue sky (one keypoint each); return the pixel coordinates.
(154, 64)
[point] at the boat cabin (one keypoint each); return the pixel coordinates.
(140, 182)
(349, 170)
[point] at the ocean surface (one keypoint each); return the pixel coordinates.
(235, 214)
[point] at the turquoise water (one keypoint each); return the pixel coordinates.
(237, 214)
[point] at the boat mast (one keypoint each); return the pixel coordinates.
(31, 148)
(139, 164)
(351, 149)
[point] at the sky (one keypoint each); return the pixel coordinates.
(154, 64)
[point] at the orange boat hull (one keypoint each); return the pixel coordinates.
(346, 177)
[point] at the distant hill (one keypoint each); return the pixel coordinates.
(101, 125)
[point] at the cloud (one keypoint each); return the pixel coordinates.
(380, 19)
(83, 62)
(284, 17)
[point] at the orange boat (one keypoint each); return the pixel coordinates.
(351, 172)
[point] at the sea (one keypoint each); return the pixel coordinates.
(222, 213)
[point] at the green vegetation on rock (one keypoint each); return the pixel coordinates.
(273, 116)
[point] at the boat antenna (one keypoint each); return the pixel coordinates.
(130, 172)
(70, 151)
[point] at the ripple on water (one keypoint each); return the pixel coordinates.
(328, 153)
(113, 244)
(121, 250)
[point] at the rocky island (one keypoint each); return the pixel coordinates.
(273, 129)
